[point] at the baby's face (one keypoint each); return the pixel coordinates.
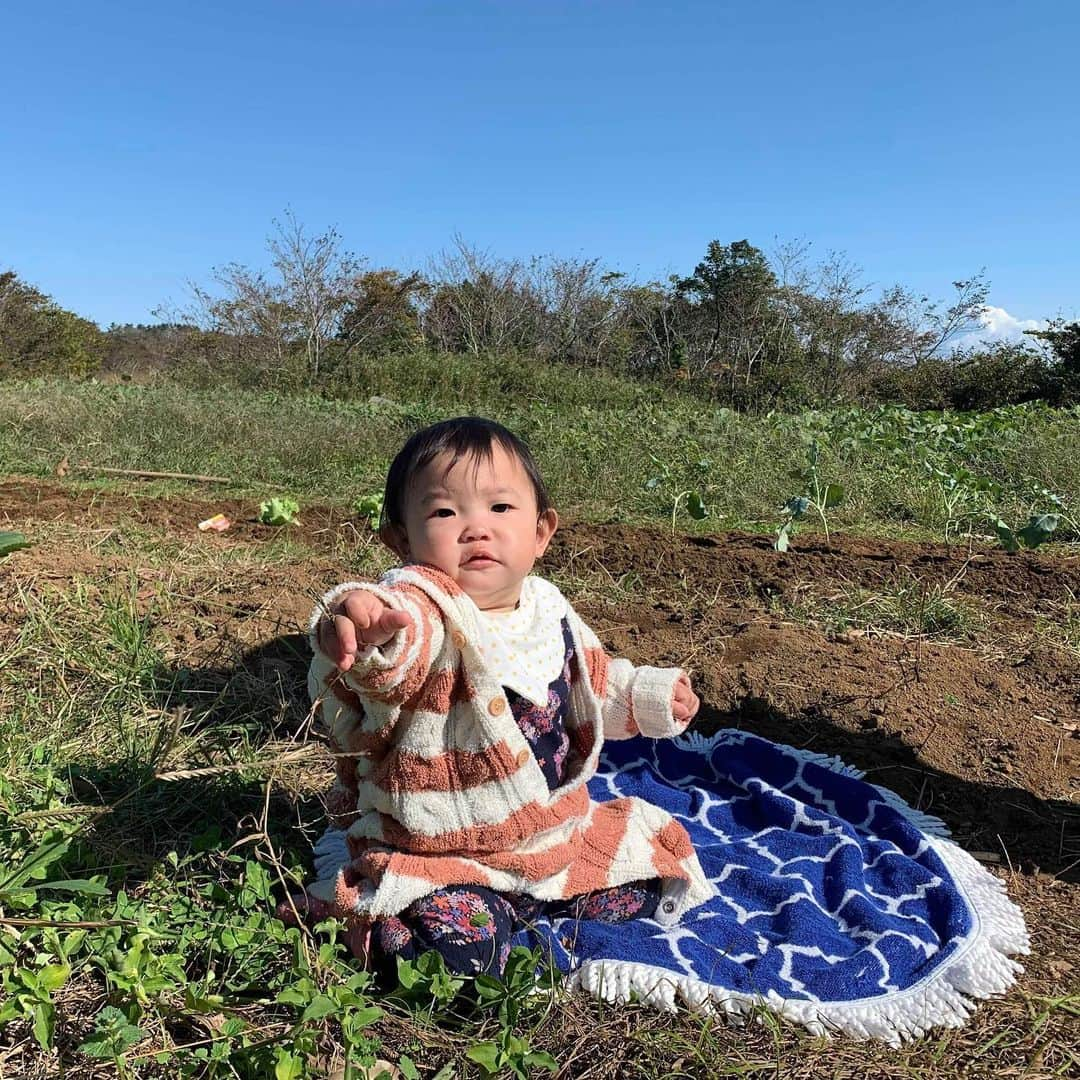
(478, 523)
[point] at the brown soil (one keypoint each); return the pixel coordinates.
(984, 732)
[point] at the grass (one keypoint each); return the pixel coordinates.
(599, 441)
(908, 606)
(1060, 626)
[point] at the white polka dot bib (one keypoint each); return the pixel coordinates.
(524, 648)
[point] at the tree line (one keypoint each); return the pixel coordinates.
(744, 329)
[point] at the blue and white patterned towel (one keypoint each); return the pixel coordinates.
(837, 904)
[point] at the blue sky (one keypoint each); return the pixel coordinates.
(143, 144)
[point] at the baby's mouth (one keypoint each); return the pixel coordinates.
(479, 560)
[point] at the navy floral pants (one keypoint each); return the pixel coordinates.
(471, 926)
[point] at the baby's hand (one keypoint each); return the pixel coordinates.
(358, 618)
(685, 703)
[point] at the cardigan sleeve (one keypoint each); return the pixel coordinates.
(392, 672)
(634, 700)
(384, 676)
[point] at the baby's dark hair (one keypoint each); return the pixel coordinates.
(470, 437)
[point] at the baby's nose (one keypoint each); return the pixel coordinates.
(476, 530)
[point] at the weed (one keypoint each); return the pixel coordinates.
(908, 606)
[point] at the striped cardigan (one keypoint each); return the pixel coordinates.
(436, 784)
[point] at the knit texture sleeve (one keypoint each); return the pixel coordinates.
(634, 700)
(392, 672)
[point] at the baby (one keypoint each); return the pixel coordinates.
(467, 703)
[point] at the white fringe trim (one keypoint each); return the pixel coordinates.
(980, 968)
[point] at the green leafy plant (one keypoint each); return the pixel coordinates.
(1066, 516)
(344, 1002)
(12, 541)
(426, 982)
(1038, 530)
(29, 992)
(279, 511)
(524, 974)
(370, 507)
(819, 496)
(112, 1037)
(512, 1053)
(692, 498)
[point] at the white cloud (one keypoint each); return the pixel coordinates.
(998, 325)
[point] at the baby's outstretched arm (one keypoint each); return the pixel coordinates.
(378, 639)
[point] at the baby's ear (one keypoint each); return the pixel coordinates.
(393, 536)
(546, 524)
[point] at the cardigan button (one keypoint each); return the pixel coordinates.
(458, 638)
(669, 906)
(496, 706)
(522, 757)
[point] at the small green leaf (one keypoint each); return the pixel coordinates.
(292, 996)
(407, 974)
(53, 976)
(479, 918)
(12, 541)
(408, 1069)
(541, 1059)
(44, 1023)
(486, 986)
(361, 1018)
(1037, 530)
(320, 1006)
(486, 1055)
(1005, 535)
(695, 506)
(288, 1066)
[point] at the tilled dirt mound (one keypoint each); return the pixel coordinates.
(984, 732)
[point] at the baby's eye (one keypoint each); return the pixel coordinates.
(443, 511)
(501, 508)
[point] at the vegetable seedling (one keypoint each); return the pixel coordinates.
(277, 511)
(370, 507)
(820, 497)
(1037, 531)
(692, 498)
